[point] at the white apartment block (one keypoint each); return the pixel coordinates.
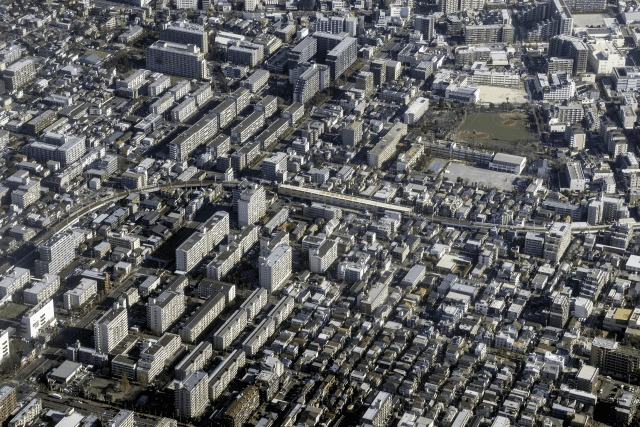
(225, 372)
(192, 395)
(275, 268)
(257, 339)
(79, 295)
(320, 259)
(254, 303)
(111, 328)
(282, 310)
(121, 239)
(14, 280)
(36, 319)
(184, 110)
(27, 414)
(252, 205)
(153, 358)
(177, 59)
(4, 344)
(124, 418)
(415, 111)
(201, 320)
(55, 254)
(42, 290)
(379, 410)
(191, 252)
(194, 361)
(164, 310)
(230, 330)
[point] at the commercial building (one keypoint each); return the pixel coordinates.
(626, 78)
(192, 395)
(184, 32)
(110, 329)
(164, 310)
(275, 268)
(604, 57)
(177, 59)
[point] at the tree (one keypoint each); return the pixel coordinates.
(124, 384)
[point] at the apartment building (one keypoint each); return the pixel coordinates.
(275, 268)
(164, 310)
(19, 74)
(202, 319)
(241, 409)
(177, 59)
(245, 53)
(111, 328)
(55, 254)
(251, 205)
(320, 259)
(192, 395)
(184, 32)
(199, 133)
(196, 360)
(380, 410)
(14, 280)
(42, 290)
(386, 147)
(191, 252)
(225, 373)
(230, 330)
(8, 402)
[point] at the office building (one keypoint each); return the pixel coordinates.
(55, 254)
(177, 59)
(183, 32)
(19, 74)
(252, 205)
(239, 412)
(626, 78)
(534, 244)
(557, 241)
(164, 310)
(275, 268)
(192, 395)
(380, 409)
(110, 329)
(245, 53)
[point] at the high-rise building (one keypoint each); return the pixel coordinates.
(320, 259)
(164, 310)
(177, 59)
(19, 74)
(192, 395)
(275, 268)
(364, 81)
(340, 58)
(565, 46)
(615, 360)
(124, 418)
(184, 32)
(557, 241)
(379, 70)
(533, 244)
(559, 314)
(273, 166)
(55, 254)
(425, 25)
(251, 205)
(393, 70)
(352, 133)
(250, 5)
(311, 78)
(111, 328)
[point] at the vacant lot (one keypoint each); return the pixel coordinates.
(491, 179)
(12, 310)
(495, 131)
